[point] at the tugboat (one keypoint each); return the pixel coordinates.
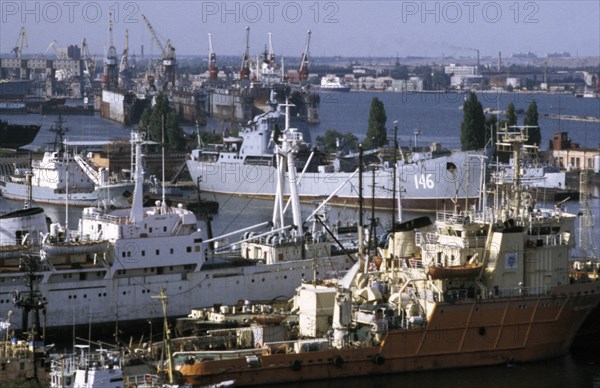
(476, 287)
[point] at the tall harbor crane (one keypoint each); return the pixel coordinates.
(89, 68)
(124, 65)
(245, 68)
(110, 79)
(271, 56)
(21, 40)
(303, 72)
(168, 61)
(213, 70)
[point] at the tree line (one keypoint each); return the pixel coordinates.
(475, 132)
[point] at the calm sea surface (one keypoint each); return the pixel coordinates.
(438, 117)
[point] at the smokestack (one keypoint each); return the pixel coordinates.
(499, 60)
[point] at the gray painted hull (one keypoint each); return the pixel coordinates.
(422, 185)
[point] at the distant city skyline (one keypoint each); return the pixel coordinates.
(344, 28)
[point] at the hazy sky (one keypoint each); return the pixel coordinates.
(374, 28)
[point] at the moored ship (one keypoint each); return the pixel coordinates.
(105, 270)
(13, 136)
(502, 293)
(427, 177)
(59, 175)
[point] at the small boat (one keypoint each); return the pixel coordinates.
(332, 83)
(455, 271)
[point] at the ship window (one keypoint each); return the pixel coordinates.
(171, 251)
(171, 268)
(128, 254)
(164, 228)
(123, 254)
(158, 252)
(197, 248)
(188, 249)
(197, 240)
(150, 229)
(187, 266)
(143, 253)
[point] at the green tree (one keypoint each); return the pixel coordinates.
(376, 133)
(531, 119)
(472, 129)
(511, 116)
(152, 122)
(328, 142)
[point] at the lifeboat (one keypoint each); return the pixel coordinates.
(12, 251)
(455, 271)
(56, 249)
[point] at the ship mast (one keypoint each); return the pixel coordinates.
(137, 205)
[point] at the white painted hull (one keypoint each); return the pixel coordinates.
(47, 195)
(72, 301)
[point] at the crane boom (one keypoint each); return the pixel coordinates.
(303, 72)
(155, 37)
(21, 40)
(245, 68)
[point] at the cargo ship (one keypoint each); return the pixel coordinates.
(475, 287)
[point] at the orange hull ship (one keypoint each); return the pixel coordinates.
(477, 287)
(466, 333)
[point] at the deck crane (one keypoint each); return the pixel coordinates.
(110, 79)
(168, 60)
(213, 70)
(21, 40)
(303, 72)
(245, 68)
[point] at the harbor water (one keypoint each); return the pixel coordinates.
(437, 116)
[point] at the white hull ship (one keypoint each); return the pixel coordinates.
(427, 178)
(59, 174)
(150, 248)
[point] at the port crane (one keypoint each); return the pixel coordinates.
(110, 79)
(213, 70)
(168, 60)
(245, 68)
(271, 56)
(303, 71)
(124, 65)
(21, 40)
(89, 68)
